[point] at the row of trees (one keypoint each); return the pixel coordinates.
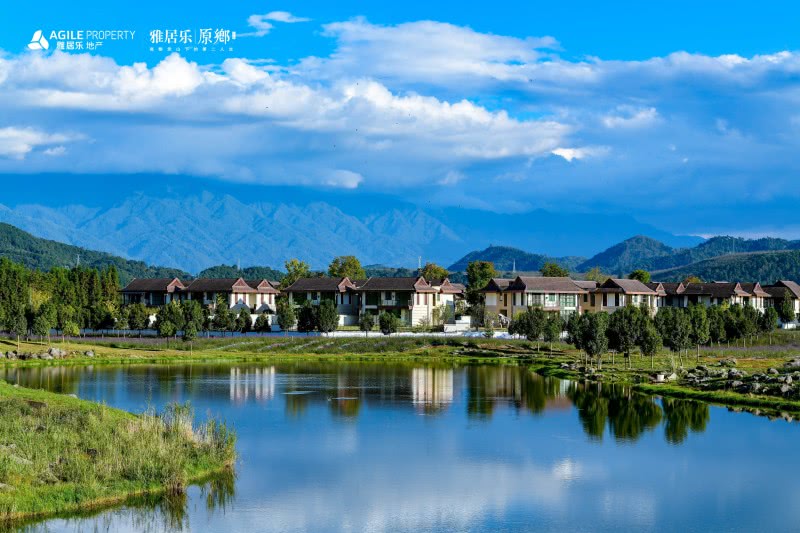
(677, 329)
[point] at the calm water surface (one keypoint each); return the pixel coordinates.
(383, 447)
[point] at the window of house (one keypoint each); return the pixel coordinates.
(605, 300)
(616, 299)
(505, 300)
(592, 300)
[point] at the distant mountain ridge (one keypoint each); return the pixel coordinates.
(198, 231)
(508, 258)
(42, 254)
(763, 267)
(650, 254)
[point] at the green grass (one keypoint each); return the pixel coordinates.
(60, 454)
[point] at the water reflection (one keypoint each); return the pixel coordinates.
(345, 389)
(150, 513)
(326, 446)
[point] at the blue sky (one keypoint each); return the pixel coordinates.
(683, 116)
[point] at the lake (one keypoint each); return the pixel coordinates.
(410, 447)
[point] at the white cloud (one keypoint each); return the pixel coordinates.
(16, 142)
(262, 24)
(628, 117)
(345, 179)
(571, 154)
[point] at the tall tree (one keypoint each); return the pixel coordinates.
(553, 327)
(138, 317)
(345, 266)
(768, 322)
(479, 273)
(306, 318)
(388, 323)
(223, 318)
(595, 338)
(786, 309)
(701, 327)
(553, 270)
(328, 316)
(286, 315)
(366, 323)
(295, 269)
(262, 324)
(641, 275)
(625, 330)
(716, 323)
(433, 271)
(649, 341)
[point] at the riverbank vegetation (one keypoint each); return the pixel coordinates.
(61, 454)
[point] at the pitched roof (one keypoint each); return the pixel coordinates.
(449, 288)
(543, 284)
(717, 289)
(792, 286)
(262, 285)
(396, 284)
(586, 284)
(657, 287)
(153, 285)
(626, 286)
(219, 285)
(497, 285)
(320, 284)
(755, 289)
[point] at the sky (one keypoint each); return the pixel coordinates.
(683, 115)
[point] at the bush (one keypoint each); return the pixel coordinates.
(263, 324)
(328, 317)
(388, 323)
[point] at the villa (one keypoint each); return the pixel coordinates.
(340, 291)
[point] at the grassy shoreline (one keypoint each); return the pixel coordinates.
(60, 454)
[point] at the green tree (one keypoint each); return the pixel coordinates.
(641, 275)
(388, 323)
(306, 318)
(701, 327)
(675, 328)
(553, 327)
(366, 323)
(716, 323)
(346, 266)
(166, 329)
(19, 326)
(295, 269)
(479, 273)
(138, 317)
(553, 270)
(625, 329)
(262, 324)
(575, 324)
(433, 271)
(189, 335)
(786, 309)
(328, 316)
(596, 275)
(223, 318)
(70, 329)
(768, 322)
(649, 341)
(595, 338)
(286, 314)
(172, 313)
(41, 327)
(531, 323)
(243, 322)
(192, 314)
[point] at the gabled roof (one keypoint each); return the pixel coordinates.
(417, 284)
(543, 284)
(755, 289)
(717, 289)
(262, 285)
(153, 285)
(779, 288)
(497, 285)
(626, 286)
(673, 289)
(589, 285)
(219, 285)
(445, 287)
(320, 284)
(657, 287)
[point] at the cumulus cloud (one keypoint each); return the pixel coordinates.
(425, 103)
(262, 24)
(16, 143)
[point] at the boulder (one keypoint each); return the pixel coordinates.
(785, 389)
(730, 361)
(736, 384)
(89, 353)
(672, 377)
(57, 353)
(794, 363)
(773, 371)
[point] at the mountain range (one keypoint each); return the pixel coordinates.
(194, 232)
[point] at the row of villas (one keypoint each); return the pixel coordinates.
(507, 297)
(412, 299)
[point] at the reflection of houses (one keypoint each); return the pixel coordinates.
(152, 292)
(258, 383)
(432, 387)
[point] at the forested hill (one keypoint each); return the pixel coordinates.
(507, 257)
(764, 267)
(231, 271)
(42, 254)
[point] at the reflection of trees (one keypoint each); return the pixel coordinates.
(681, 416)
(220, 490)
(518, 387)
(628, 414)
